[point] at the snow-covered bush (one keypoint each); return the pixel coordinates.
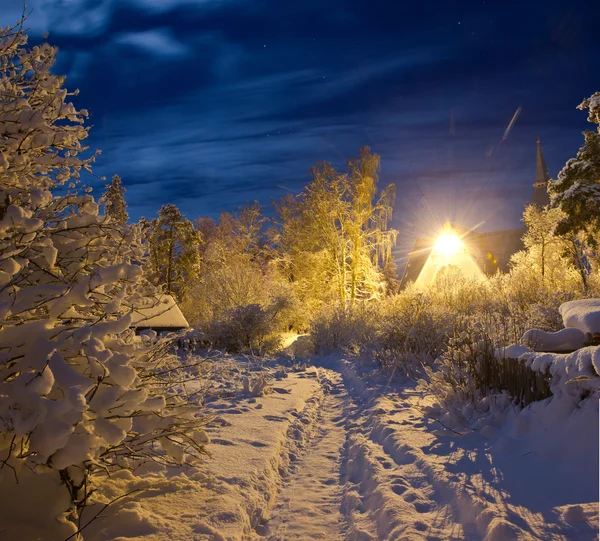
(353, 330)
(573, 377)
(251, 328)
(454, 292)
(458, 375)
(79, 392)
(412, 331)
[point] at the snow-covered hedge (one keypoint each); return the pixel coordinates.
(562, 340)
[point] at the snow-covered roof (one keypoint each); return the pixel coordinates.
(163, 314)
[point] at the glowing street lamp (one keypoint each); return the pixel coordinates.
(448, 244)
(448, 250)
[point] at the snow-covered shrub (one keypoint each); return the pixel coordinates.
(249, 328)
(79, 392)
(573, 377)
(454, 292)
(354, 330)
(412, 331)
(458, 375)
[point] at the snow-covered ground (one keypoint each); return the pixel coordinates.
(339, 450)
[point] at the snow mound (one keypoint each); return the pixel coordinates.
(513, 351)
(582, 314)
(574, 376)
(564, 340)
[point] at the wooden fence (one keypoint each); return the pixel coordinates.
(518, 380)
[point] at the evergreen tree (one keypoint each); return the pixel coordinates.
(114, 201)
(577, 190)
(174, 255)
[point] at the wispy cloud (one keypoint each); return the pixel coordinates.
(158, 42)
(161, 6)
(208, 103)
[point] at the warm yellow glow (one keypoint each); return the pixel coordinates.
(449, 250)
(449, 244)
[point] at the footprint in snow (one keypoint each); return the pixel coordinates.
(410, 497)
(258, 444)
(219, 441)
(399, 489)
(422, 507)
(384, 462)
(276, 418)
(421, 526)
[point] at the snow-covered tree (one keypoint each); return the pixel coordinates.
(370, 238)
(236, 271)
(174, 258)
(548, 259)
(339, 225)
(577, 190)
(113, 199)
(79, 392)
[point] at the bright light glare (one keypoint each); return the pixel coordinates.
(448, 244)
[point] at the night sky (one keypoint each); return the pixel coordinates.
(210, 103)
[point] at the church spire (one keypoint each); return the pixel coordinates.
(540, 186)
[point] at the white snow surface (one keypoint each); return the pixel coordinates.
(513, 351)
(568, 339)
(582, 314)
(341, 450)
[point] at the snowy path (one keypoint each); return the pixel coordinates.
(376, 468)
(349, 486)
(310, 501)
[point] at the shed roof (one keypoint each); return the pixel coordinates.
(163, 314)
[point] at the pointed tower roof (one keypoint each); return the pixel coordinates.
(541, 171)
(540, 186)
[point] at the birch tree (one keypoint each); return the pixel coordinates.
(341, 222)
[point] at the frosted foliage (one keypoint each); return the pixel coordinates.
(78, 390)
(577, 190)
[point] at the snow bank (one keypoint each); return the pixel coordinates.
(506, 473)
(574, 376)
(582, 314)
(564, 340)
(513, 351)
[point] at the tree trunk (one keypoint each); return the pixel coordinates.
(343, 292)
(543, 260)
(578, 258)
(170, 263)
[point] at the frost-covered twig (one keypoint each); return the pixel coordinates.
(104, 507)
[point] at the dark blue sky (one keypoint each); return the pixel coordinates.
(211, 103)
